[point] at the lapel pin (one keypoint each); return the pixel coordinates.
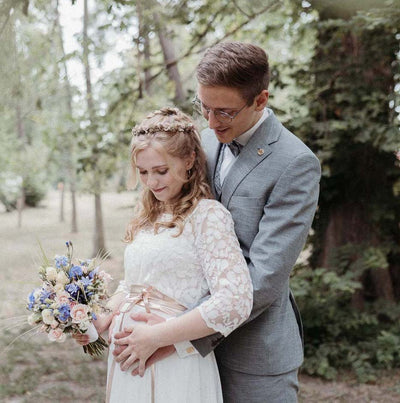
(260, 151)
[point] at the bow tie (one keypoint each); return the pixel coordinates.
(235, 147)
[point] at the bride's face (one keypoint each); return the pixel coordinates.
(164, 178)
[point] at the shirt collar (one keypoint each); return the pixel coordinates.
(245, 137)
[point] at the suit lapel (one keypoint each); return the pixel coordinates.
(256, 150)
(211, 147)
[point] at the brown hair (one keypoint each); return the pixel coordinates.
(236, 65)
(172, 132)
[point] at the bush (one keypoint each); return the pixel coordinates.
(35, 191)
(338, 336)
(10, 185)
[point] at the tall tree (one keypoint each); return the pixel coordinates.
(68, 147)
(354, 130)
(99, 240)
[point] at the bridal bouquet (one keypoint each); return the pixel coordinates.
(73, 292)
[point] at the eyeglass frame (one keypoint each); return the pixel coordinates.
(200, 107)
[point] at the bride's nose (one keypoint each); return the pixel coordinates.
(151, 180)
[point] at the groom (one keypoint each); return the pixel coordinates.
(269, 181)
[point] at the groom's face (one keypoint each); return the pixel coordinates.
(230, 100)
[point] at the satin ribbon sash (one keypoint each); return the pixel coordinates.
(150, 298)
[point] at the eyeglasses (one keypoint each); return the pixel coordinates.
(221, 116)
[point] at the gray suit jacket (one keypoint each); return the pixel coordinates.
(272, 193)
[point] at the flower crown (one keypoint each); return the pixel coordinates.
(176, 128)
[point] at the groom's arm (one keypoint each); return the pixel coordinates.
(283, 230)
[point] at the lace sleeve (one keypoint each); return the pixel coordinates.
(225, 269)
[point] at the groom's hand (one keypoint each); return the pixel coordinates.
(119, 348)
(159, 355)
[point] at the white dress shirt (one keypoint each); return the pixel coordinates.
(228, 157)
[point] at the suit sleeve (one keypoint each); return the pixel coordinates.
(282, 232)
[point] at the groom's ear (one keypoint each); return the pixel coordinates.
(261, 100)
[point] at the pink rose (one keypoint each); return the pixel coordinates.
(63, 298)
(57, 335)
(79, 313)
(105, 276)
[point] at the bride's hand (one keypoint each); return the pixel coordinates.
(81, 338)
(141, 344)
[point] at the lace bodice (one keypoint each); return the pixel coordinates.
(204, 260)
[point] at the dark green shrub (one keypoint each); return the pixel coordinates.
(337, 336)
(35, 191)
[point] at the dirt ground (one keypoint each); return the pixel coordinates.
(34, 370)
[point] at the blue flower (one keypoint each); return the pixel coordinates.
(75, 271)
(72, 289)
(31, 300)
(61, 261)
(64, 311)
(94, 316)
(44, 295)
(86, 281)
(93, 272)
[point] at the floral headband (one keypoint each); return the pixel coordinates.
(177, 128)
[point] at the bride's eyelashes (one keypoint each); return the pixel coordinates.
(160, 172)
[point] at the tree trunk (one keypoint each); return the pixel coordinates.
(74, 222)
(21, 134)
(99, 231)
(170, 60)
(20, 206)
(69, 149)
(99, 243)
(61, 188)
(143, 48)
(349, 224)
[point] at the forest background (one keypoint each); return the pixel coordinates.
(66, 117)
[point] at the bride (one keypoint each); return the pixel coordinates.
(182, 261)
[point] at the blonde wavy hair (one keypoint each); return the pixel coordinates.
(172, 133)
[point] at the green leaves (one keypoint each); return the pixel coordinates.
(339, 337)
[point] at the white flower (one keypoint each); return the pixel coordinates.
(57, 335)
(79, 313)
(51, 273)
(84, 325)
(34, 318)
(47, 315)
(59, 288)
(62, 278)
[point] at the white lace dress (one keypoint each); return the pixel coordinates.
(205, 259)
